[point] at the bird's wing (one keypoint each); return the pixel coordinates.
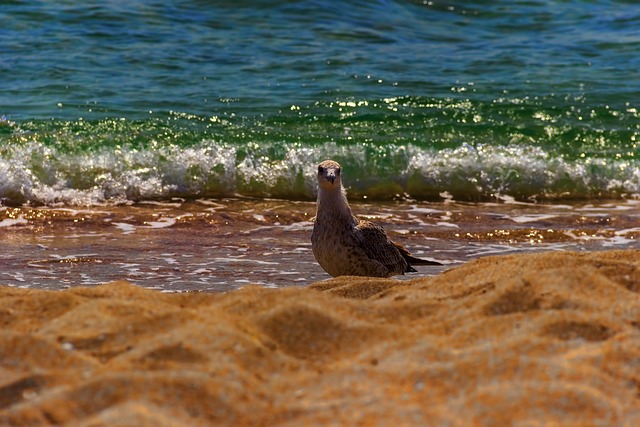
(376, 245)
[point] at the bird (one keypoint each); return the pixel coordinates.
(344, 245)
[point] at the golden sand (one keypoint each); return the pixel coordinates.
(551, 338)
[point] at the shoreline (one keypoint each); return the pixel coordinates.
(221, 245)
(548, 337)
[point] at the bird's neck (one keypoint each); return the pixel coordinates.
(333, 205)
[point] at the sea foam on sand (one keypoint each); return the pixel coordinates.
(524, 339)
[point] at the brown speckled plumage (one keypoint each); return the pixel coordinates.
(346, 246)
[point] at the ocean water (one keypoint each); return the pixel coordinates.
(175, 144)
(120, 102)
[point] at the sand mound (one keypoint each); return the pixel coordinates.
(544, 338)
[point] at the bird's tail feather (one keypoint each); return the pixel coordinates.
(413, 260)
(419, 261)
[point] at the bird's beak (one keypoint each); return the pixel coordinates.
(331, 176)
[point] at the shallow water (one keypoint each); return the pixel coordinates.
(219, 245)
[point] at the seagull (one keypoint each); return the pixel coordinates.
(343, 245)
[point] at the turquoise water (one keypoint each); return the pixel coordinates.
(112, 102)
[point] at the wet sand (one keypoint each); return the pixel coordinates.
(222, 245)
(527, 339)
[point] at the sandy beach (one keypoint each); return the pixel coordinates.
(534, 339)
(159, 189)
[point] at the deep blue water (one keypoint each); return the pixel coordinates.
(118, 101)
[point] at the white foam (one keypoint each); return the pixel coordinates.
(605, 208)
(114, 176)
(128, 265)
(172, 204)
(299, 226)
(502, 170)
(9, 222)
(90, 235)
(571, 234)
(416, 209)
(125, 227)
(627, 231)
(261, 228)
(244, 260)
(213, 205)
(621, 238)
(521, 219)
(217, 170)
(71, 257)
(447, 224)
(162, 223)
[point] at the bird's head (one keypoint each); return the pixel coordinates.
(329, 175)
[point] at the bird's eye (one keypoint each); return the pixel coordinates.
(320, 169)
(338, 171)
